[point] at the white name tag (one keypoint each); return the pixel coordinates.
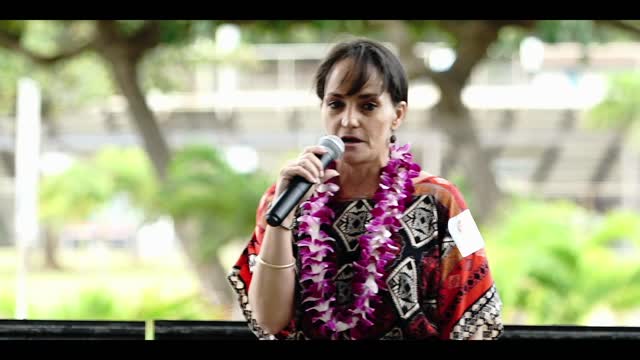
(465, 233)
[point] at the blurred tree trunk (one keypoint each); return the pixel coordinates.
(123, 56)
(211, 273)
(456, 122)
(8, 162)
(551, 154)
(51, 242)
(450, 114)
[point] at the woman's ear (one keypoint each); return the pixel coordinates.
(401, 112)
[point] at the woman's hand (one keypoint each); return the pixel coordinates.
(309, 167)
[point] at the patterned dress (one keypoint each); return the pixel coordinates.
(439, 287)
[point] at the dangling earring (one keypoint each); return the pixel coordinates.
(392, 139)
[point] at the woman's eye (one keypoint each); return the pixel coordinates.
(369, 106)
(334, 104)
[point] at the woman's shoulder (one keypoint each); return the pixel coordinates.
(442, 189)
(427, 180)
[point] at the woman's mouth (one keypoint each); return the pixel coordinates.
(351, 140)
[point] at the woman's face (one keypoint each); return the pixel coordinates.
(363, 120)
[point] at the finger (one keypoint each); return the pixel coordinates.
(312, 163)
(331, 173)
(285, 171)
(301, 171)
(307, 165)
(315, 149)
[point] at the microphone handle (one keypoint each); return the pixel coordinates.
(297, 188)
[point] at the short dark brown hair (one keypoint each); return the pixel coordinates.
(365, 52)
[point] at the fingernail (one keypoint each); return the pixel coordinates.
(321, 173)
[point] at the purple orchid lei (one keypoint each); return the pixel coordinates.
(377, 247)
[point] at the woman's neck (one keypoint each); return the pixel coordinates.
(358, 181)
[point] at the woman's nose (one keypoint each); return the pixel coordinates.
(350, 118)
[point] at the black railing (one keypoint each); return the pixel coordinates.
(235, 330)
(69, 329)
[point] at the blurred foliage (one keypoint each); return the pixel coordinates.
(79, 81)
(94, 304)
(551, 31)
(620, 108)
(100, 283)
(171, 68)
(103, 304)
(47, 37)
(88, 184)
(112, 291)
(286, 31)
(458, 179)
(130, 172)
(83, 80)
(73, 195)
(166, 69)
(11, 68)
(582, 31)
(7, 305)
(202, 187)
(556, 262)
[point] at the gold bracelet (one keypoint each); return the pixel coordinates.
(279, 267)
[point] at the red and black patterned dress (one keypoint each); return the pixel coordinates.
(440, 285)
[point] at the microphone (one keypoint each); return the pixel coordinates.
(299, 186)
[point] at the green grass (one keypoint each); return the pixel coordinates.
(105, 285)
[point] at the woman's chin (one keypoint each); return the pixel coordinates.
(353, 157)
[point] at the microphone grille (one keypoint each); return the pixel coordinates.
(334, 144)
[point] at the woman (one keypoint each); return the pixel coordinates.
(379, 249)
